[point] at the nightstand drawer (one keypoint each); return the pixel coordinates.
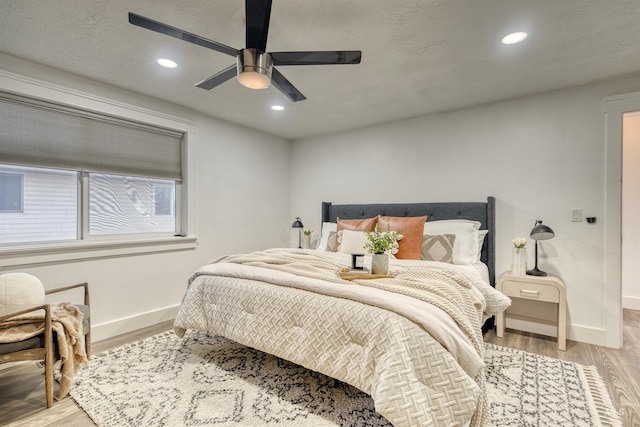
(533, 291)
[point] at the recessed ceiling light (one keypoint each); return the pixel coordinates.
(167, 63)
(277, 107)
(514, 38)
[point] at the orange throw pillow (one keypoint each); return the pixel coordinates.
(412, 228)
(367, 224)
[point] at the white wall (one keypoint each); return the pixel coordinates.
(630, 209)
(242, 204)
(540, 156)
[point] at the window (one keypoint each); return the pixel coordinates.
(71, 174)
(128, 205)
(48, 205)
(48, 211)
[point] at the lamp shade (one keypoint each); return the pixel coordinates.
(541, 232)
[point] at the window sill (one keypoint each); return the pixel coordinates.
(18, 256)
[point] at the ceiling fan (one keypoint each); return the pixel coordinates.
(254, 68)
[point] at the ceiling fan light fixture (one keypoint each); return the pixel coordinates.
(514, 38)
(254, 68)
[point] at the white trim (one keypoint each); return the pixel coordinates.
(133, 323)
(614, 107)
(15, 257)
(23, 85)
(596, 336)
(123, 326)
(55, 253)
(631, 303)
(589, 335)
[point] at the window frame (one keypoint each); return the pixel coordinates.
(15, 256)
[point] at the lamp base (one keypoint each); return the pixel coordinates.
(536, 272)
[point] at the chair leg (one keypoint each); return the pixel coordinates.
(48, 379)
(87, 342)
(48, 357)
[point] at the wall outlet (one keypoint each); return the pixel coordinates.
(576, 215)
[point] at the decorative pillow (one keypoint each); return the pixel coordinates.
(412, 228)
(328, 237)
(465, 248)
(19, 291)
(366, 224)
(351, 242)
(438, 247)
(331, 242)
(481, 236)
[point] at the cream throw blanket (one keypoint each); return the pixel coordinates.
(446, 289)
(66, 322)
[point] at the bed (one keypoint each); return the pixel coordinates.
(412, 341)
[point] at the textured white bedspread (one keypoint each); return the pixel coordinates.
(420, 365)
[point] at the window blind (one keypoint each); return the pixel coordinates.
(37, 133)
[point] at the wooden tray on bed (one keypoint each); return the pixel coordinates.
(348, 275)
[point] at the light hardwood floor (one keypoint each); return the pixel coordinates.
(22, 399)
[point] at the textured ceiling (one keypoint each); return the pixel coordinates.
(418, 57)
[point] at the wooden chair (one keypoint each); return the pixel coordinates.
(43, 346)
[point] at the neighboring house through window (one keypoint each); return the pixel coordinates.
(11, 196)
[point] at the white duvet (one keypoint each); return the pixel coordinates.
(421, 362)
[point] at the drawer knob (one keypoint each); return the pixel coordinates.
(529, 294)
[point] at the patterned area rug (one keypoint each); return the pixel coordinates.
(204, 380)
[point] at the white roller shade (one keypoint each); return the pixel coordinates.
(36, 133)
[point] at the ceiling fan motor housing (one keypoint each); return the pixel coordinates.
(254, 68)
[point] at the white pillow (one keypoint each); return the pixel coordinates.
(465, 248)
(327, 229)
(352, 242)
(19, 291)
(495, 301)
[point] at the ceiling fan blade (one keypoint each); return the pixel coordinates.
(258, 14)
(317, 58)
(285, 86)
(168, 30)
(219, 78)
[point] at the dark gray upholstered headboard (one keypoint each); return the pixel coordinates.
(475, 211)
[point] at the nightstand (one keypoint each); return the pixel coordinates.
(548, 289)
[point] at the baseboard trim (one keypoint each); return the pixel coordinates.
(596, 336)
(132, 323)
(584, 334)
(631, 303)
(122, 326)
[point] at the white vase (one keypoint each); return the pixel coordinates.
(306, 241)
(519, 262)
(380, 263)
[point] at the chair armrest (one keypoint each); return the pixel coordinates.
(45, 307)
(66, 288)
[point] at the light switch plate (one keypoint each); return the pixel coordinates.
(576, 214)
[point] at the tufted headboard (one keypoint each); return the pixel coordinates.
(475, 211)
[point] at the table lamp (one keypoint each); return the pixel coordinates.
(298, 224)
(540, 232)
